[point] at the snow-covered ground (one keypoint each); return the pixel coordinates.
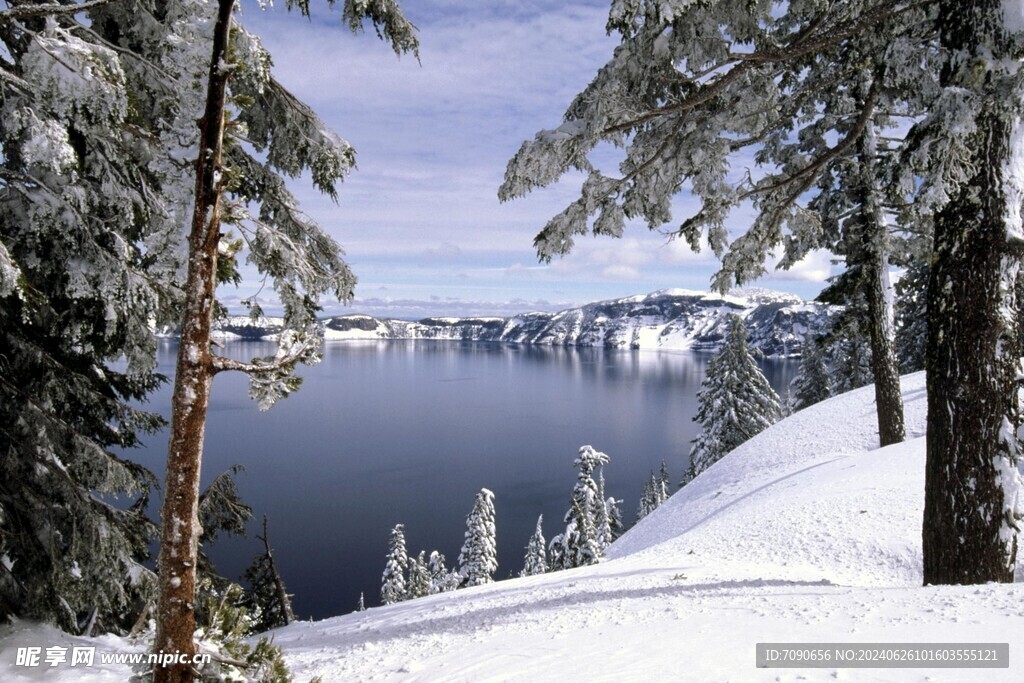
(807, 533)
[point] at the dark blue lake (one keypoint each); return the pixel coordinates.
(407, 432)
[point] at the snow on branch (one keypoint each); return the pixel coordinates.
(270, 378)
(15, 80)
(49, 10)
(388, 20)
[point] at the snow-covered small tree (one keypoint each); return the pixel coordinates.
(557, 553)
(393, 587)
(602, 520)
(583, 545)
(478, 559)
(613, 508)
(535, 561)
(361, 605)
(663, 482)
(418, 582)
(654, 494)
(735, 401)
(643, 508)
(813, 384)
(442, 579)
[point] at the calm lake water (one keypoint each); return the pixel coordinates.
(407, 432)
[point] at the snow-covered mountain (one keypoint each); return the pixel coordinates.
(807, 533)
(669, 319)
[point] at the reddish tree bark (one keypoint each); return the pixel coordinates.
(193, 377)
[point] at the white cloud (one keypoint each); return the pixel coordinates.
(678, 252)
(444, 252)
(621, 272)
(815, 267)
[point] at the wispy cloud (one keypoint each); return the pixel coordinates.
(419, 218)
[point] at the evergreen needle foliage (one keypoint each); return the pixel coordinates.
(735, 402)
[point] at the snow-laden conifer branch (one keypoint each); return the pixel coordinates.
(14, 80)
(771, 184)
(816, 38)
(28, 11)
(221, 508)
(272, 364)
(117, 473)
(294, 136)
(164, 80)
(387, 19)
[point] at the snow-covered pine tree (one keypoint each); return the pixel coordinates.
(613, 509)
(582, 546)
(663, 483)
(813, 384)
(392, 584)
(557, 554)
(648, 499)
(418, 582)
(361, 605)
(82, 273)
(442, 579)
(535, 560)
(478, 559)
(602, 521)
(654, 494)
(851, 356)
(581, 541)
(226, 633)
(735, 402)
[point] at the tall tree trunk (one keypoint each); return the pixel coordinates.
(884, 365)
(193, 377)
(968, 533)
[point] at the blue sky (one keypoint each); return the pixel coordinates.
(419, 219)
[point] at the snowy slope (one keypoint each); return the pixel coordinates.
(808, 532)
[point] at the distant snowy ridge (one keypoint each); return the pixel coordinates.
(673, 319)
